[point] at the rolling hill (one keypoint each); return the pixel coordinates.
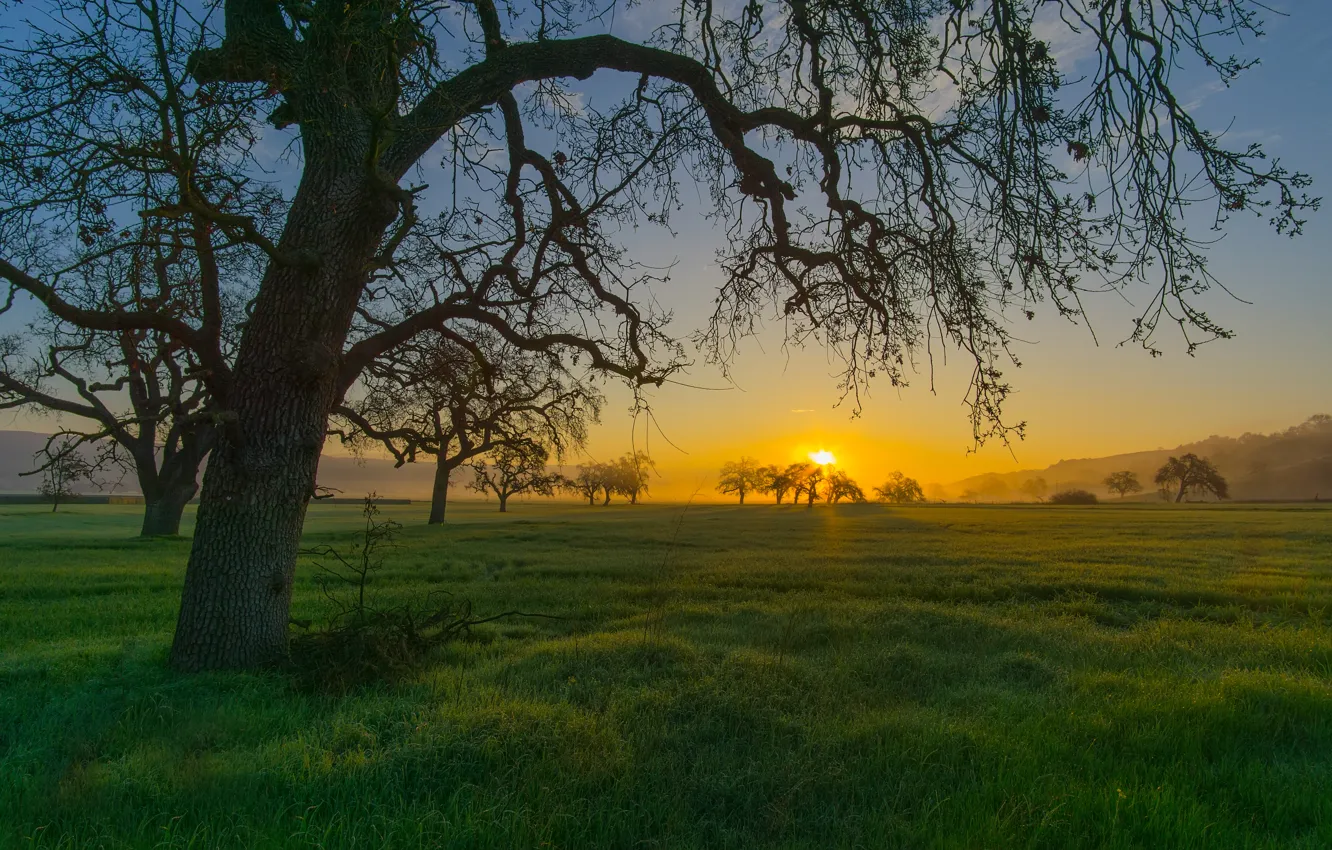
(1292, 464)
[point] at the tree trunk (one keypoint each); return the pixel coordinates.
(168, 490)
(606, 501)
(742, 497)
(161, 515)
(504, 502)
(235, 605)
(1180, 497)
(439, 496)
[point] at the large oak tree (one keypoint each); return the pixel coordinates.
(889, 176)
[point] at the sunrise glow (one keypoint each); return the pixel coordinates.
(822, 457)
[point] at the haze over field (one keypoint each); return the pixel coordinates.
(1294, 463)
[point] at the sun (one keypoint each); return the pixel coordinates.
(822, 457)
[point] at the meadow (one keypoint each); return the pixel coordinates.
(722, 677)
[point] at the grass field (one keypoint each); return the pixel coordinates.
(859, 676)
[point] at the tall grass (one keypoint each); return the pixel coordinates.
(858, 676)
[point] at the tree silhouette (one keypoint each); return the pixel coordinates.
(840, 486)
(807, 484)
(1123, 483)
(460, 395)
(1031, 178)
(592, 479)
(900, 490)
(742, 477)
(61, 467)
(1191, 474)
(629, 475)
(786, 481)
(1036, 488)
(512, 469)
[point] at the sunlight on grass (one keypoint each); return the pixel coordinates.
(773, 677)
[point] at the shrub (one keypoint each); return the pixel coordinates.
(1073, 497)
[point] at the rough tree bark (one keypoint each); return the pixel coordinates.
(439, 496)
(164, 507)
(168, 489)
(234, 608)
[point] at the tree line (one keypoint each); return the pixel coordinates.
(802, 481)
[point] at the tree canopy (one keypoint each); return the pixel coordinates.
(900, 490)
(1191, 474)
(1123, 483)
(742, 477)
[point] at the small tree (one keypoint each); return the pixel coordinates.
(742, 477)
(783, 481)
(808, 483)
(61, 468)
(1192, 474)
(841, 486)
(631, 476)
(589, 482)
(1036, 488)
(900, 490)
(1123, 483)
(514, 469)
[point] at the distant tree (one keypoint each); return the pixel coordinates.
(808, 484)
(1073, 497)
(1191, 474)
(513, 469)
(742, 477)
(900, 490)
(840, 486)
(1036, 488)
(788, 481)
(992, 488)
(459, 395)
(1123, 483)
(61, 467)
(589, 482)
(768, 475)
(630, 475)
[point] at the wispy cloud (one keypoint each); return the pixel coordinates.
(802, 410)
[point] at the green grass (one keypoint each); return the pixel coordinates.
(1117, 676)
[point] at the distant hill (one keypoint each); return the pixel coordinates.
(1292, 464)
(352, 476)
(16, 451)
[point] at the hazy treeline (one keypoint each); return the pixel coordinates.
(1295, 463)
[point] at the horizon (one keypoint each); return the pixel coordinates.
(696, 483)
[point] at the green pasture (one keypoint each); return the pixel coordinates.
(1119, 676)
